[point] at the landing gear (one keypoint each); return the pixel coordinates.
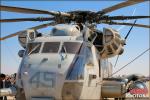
(104, 99)
(119, 99)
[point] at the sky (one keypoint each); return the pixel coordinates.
(137, 42)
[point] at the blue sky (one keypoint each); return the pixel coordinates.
(137, 42)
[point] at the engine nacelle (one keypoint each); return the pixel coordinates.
(26, 36)
(118, 87)
(113, 89)
(112, 42)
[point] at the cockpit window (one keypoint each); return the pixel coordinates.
(51, 47)
(33, 48)
(71, 47)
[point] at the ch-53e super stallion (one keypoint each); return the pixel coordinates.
(71, 62)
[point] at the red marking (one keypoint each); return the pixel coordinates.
(139, 91)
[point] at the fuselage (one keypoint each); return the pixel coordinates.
(62, 67)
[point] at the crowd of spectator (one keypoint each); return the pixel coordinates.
(6, 81)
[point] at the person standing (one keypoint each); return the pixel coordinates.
(4, 84)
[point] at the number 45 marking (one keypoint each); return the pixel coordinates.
(43, 79)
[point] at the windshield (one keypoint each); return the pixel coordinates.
(71, 47)
(51, 47)
(33, 48)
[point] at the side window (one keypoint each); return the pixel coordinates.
(33, 48)
(51, 47)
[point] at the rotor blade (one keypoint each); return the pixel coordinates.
(128, 24)
(36, 28)
(11, 35)
(122, 17)
(120, 5)
(43, 25)
(26, 19)
(145, 79)
(31, 11)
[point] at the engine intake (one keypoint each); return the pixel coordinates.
(113, 44)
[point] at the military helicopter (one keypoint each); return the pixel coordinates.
(71, 62)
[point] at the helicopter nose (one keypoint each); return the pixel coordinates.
(46, 74)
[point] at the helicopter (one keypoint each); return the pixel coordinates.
(71, 62)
